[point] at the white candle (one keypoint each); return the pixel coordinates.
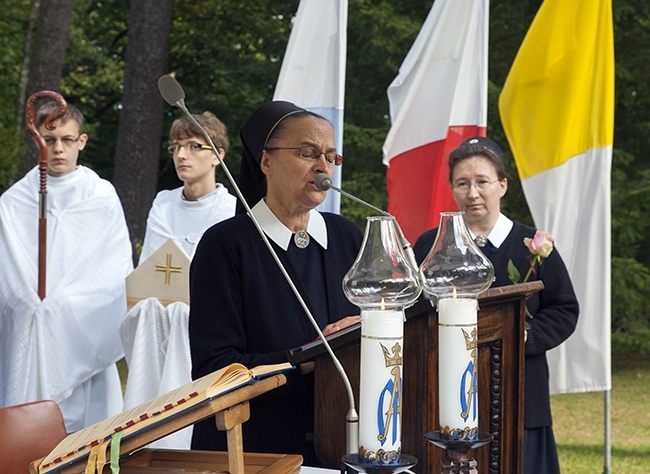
(457, 366)
(380, 389)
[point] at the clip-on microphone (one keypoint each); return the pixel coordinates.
(174, 95)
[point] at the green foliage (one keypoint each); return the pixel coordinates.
(370, 185)
(14, 146)
(227, 55)
(13, 22)
(629, 294)
(94, 74)
(634, 343)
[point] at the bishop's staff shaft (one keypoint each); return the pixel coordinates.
(42, 168)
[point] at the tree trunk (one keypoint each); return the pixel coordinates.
(138, 148)
(23, 76)
(47, 58)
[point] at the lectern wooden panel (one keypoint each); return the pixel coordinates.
(501, 323)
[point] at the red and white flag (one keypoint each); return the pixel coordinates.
(438, 99)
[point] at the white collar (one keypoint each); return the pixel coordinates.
(280, 234)
(500, 230)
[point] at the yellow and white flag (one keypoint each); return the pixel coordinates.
(557, 109)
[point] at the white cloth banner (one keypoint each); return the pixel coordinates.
(313, 70)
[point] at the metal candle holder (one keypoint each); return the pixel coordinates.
(458, 460)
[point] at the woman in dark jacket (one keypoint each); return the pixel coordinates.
(478, 179)
(242, 309)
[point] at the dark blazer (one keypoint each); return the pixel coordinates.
(554, 309)
(243, 310)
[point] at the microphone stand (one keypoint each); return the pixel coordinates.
(324, 183)
(174, 95)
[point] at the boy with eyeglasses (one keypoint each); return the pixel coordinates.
(63, 348)
(186, 212)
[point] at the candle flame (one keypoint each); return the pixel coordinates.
(454, 292)
(382, 304)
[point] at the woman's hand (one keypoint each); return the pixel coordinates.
(340, 324)
(343, 323)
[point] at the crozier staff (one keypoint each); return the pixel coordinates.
(49, 124)
(242, 309)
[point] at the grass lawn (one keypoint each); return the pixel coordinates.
(579, 422)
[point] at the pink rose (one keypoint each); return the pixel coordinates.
(541, 244)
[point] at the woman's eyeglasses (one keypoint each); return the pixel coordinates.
(480, 185)
(313, 153)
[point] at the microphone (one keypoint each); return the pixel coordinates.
(174, 95)
(324, 183)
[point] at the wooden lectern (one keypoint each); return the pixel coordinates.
(501, 324)
(230, 410)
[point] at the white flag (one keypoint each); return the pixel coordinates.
(313, 70)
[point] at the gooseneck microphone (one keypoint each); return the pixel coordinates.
(174, 95)
(324, 183)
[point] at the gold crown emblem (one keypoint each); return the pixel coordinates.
(396, 358)
(470, 343)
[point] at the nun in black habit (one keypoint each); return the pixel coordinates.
(242, 309)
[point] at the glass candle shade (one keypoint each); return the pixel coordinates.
(381, 276)
(455, 265)
(455, 272)
(381, 282)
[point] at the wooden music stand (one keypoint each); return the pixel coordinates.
(501, 324)
(230, 411)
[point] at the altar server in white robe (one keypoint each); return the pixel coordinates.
(186, 212)
(65, 347)
(155, 338)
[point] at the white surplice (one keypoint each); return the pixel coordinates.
(156, 338)
(172, 217)
(66, 345)
(157, 348)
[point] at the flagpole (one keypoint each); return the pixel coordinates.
(607, 469)
(42, 168)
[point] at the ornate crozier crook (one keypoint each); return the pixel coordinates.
(42, 168)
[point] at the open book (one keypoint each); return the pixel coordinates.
(79, 444)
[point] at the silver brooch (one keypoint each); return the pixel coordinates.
(481, 240)
(301, 239)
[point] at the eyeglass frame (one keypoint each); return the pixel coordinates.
(193, 147)
(338, 160)
(480, 185)
(66, 141)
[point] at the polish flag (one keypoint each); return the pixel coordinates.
(438, 99)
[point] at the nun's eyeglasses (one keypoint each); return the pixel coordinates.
(312, 153)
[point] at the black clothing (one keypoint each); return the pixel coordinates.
(243, 310)
(554, 309)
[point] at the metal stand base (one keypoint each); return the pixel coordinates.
(458, 460)
(406, 462)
